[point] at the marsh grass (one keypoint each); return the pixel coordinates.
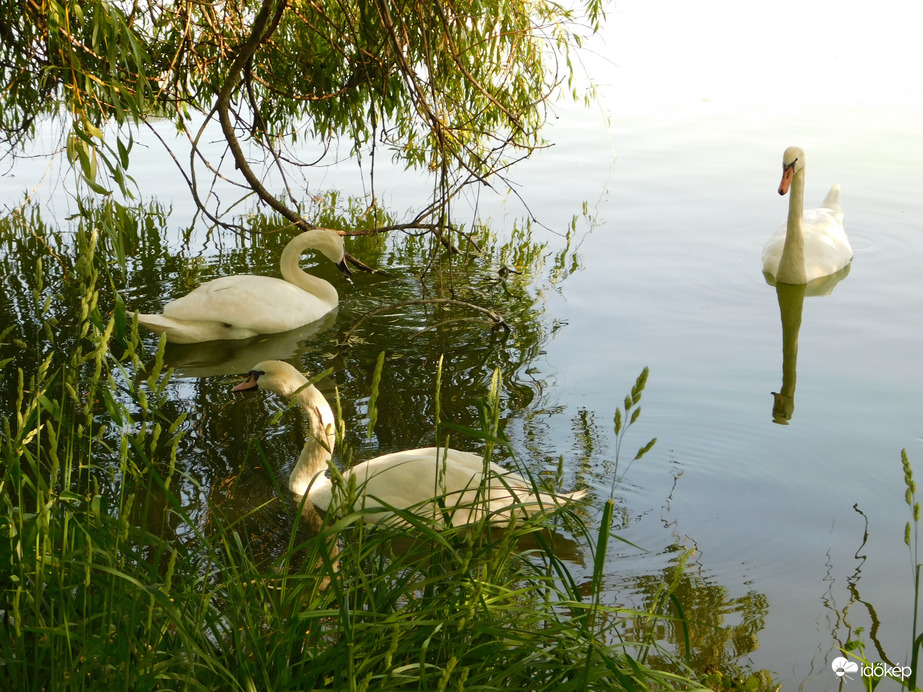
(96, 594)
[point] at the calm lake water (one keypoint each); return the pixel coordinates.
(700, 114)
(797, 528)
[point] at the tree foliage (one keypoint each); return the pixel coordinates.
(459, 87)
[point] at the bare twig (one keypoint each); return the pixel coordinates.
(496, 320)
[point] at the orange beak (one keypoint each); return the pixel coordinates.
(787, 176)
(249, 383)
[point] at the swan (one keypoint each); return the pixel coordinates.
(412, 479)
(812, 243)
(244, 305)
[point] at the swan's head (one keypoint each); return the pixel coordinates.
(285, 380)
(330, 244)
(281, 378)
(792, 162)
(274, 376)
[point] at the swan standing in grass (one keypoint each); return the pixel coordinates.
(812, 243)
(244, 305)
(411, 479)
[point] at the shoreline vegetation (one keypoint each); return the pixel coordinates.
(103, 590)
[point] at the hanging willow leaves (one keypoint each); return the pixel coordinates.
(457, 87)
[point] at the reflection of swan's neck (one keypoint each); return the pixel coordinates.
(791, 264)
(312, 463)
(294, 274)
(791, 305)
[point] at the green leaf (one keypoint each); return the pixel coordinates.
(121, 320)
(373, 398)
(477, 434)
(124, 151)
(93, 131)
(97, 188)
(602, 543)
(84, 154)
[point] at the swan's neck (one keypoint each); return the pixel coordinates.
(294, 274)
(791, 265)
(312, 463)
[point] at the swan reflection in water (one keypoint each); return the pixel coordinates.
(791, 305)
(231, 357)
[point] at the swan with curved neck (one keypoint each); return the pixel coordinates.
(414, 479)
(812, 243)
(244, 305)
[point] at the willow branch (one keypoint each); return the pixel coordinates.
(264, 24)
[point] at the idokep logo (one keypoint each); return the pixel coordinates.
(843, 668)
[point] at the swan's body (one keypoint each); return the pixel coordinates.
(244, 305)
(812, 243)
(411, 479)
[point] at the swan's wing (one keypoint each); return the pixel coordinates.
(409, 479)
(826, 247)
(823, 221)
(461, 467)
(414, 477)
(405, 478)
(261, 304)
(401, 479)
(462, 460)
(468, 461)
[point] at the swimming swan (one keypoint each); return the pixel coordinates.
(411, 479)
(244, 305)
(812, 243)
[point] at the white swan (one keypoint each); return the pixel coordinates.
(812, 243)
(244, 305)
(411, 479)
